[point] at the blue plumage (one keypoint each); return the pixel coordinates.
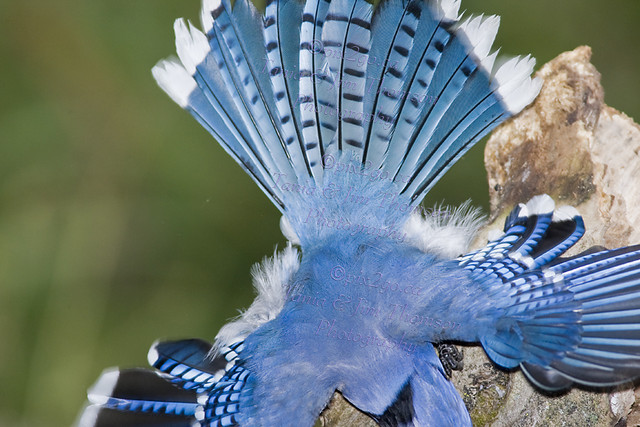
(346, 116)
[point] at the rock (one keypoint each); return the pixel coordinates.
(583, 153)
(340, 413)
(572, 146)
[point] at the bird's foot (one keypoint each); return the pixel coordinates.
(450, 357)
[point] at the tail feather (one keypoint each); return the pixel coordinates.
(242, 80)
(395, 28)
(428, 47)
(317, 87)
(450, 75)
(281, 34)
(347, 41)
(209, 112)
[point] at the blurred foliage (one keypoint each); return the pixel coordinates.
(121, 221)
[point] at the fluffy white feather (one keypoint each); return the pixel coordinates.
(174, 80)
(270, 279)
(448, 232)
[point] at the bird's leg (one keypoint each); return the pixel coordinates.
(450, 358)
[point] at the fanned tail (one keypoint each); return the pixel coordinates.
(336, 95)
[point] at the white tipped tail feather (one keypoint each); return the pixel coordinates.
(514, 84)
(191, 44)
(174, 80)
(448, 10)
(480, 33)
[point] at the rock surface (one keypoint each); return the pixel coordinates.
(583, 153)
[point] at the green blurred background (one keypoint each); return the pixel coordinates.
(122, 221)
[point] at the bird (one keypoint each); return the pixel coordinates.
(346, 115)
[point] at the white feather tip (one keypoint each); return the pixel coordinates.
(191, 44)
(102, 389)
(540, 205)
(565, 213)
(174, 80)
(448, 10)
(152, 355)
(208, 6)
(480, 32)
(514, 84)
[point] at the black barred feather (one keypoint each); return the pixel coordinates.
(394, 29)
(431, 38)
(281, 34)
(347, 41)
(317, 101)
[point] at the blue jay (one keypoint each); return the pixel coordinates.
(346, 116)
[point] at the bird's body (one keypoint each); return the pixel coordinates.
(345, 116)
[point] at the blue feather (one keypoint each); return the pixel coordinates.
(281, 33)
(317, 102)
(394, 30)
(347, 40)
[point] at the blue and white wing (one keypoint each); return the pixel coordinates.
(133, 397)
(173, 395)
(535, 234)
